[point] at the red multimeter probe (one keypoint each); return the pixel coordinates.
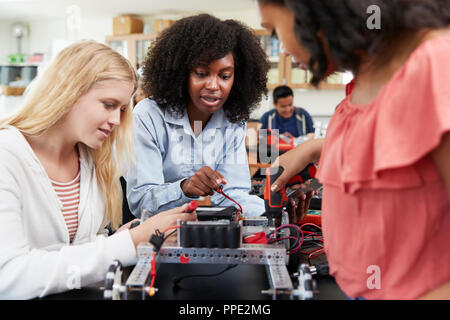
(192, 206)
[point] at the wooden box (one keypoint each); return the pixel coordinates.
(126, 25)
(161, 24)
(13, 91)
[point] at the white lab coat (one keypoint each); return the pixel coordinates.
(36, 257)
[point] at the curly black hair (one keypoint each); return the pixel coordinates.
(344, 26)
(197, 41)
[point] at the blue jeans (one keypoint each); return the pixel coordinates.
(357, 298)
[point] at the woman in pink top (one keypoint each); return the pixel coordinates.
(385, 160)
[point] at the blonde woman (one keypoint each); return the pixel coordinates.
(59, 176)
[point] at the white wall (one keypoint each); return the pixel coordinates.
(248, 17)
(8, 43)
(42, 33)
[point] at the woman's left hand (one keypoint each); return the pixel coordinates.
(127, 225)
(297, 212)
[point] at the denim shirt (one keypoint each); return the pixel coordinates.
(167, 152)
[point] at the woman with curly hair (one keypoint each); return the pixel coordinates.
(384, 163)
(203, 77)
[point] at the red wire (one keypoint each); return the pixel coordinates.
(288, 225)
(153, 262)
(293, 226)
(153, 270)
(316, 253)
(240, 212)
(311, 233)
(170, 228)
(311, 224)
(289, 237)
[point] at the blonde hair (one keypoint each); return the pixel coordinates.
(71, 75)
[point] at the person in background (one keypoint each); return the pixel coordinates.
(59, 185)
(285, 117)
(384, 163)
(203, 77)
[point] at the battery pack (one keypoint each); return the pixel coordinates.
(210, 234)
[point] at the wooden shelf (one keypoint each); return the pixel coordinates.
(285, 70)
(132, 36)
(131, 46)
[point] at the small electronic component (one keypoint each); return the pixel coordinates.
(216, 213)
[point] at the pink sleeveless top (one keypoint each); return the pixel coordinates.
(386, 211)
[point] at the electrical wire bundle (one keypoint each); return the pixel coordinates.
(313, 235)
(297, 240)
(240, 212)
(300, 237)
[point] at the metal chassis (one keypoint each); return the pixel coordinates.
(273, 256)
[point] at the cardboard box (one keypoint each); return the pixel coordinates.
(13, 91)
(161, 24)
(126, 25)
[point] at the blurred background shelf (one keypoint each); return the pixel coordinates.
(284, 71)
(134, 47)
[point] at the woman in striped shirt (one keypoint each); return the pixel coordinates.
(69, 194)
(59, 176)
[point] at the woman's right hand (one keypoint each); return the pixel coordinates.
(203, 183)
(160, 221)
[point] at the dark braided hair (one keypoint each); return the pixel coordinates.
(344, 26)
(197, 41)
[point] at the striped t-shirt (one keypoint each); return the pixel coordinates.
(69, 194)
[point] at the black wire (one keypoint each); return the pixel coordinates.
(179, 279)
(297, 238)
(170, 234)
(312, 229)
(291, 245)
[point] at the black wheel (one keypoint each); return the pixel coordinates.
(113, 281)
